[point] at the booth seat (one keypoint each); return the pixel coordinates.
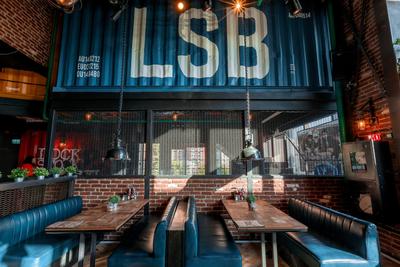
(144, 245)
(24, 243)
(208, 242)
(333, 239)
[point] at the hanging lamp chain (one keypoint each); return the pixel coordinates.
(121, 92)
(248, 117)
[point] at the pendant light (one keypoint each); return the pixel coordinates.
(249, 152)
(68, 6)
(118, 151)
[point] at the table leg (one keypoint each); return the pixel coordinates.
(93, 249)
(274, 249)
(263, 251)
(81, 250)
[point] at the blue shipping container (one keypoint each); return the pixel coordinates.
(195, 50)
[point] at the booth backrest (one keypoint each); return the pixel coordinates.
(23, 225)
(160, 234)
(191, 230)
(358, 236)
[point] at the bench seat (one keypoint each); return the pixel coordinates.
(136, 248)
(334, 239)
(215, 241)
(23, 241)
(208, 242)
(316, 250)
(40, 250)
(144, 244)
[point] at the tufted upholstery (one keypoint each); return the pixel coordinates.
(144, 245)
(22, 238)
(208, 242)
(334, 238)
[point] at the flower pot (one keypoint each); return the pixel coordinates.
(70, 174)
(56, 175)
(19, 179)
(40, 177)
(252, 206)
(112, 206)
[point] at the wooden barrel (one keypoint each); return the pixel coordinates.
(22, 84)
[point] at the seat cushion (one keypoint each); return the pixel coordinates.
(40, 250)
(316, 250)
(215, 241)
(136, 249)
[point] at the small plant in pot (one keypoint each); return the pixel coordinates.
(71, 170)
(19, 174)
(56, 172)
(41, 172)
(113, 202)
(251, 199)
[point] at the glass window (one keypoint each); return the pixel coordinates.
(83, 138)
(393, 7)
(297, 143)
(191, 143)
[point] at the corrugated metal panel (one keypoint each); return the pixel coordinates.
(281, 51)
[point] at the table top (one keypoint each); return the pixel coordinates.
(264, 218)
(99, 219)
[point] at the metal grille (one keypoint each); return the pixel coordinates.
(82, 139)
(12, 201)
(197, 143)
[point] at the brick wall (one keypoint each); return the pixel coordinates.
(368, 84)
(26, 25)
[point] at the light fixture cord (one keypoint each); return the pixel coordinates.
(248, 123)
(121, 92)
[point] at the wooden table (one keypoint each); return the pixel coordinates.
(94, 221)
(265, 218)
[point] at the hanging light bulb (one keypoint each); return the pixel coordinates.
(68, 6)
(294, 6)
(181, 6)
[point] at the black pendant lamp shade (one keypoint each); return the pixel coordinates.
(117, 152)
(294, 6)
(250, 152)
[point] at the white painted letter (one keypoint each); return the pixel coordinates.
(208, 69)
(138, 68)
(261, 69)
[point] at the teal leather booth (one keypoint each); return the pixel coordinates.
(23, 242)
(334, 239)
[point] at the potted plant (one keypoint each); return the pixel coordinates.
(113, 202)
(251, 199)
(41, 172)
(56, 172)
(71, 170)
(19, 174)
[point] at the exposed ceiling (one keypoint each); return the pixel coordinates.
(12, 58)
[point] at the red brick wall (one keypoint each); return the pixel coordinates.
(367, 85)
(26, 26)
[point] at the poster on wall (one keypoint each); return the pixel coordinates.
(358, 161)
(195, 161)
(320, 149)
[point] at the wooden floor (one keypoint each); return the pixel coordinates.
(251, 255)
